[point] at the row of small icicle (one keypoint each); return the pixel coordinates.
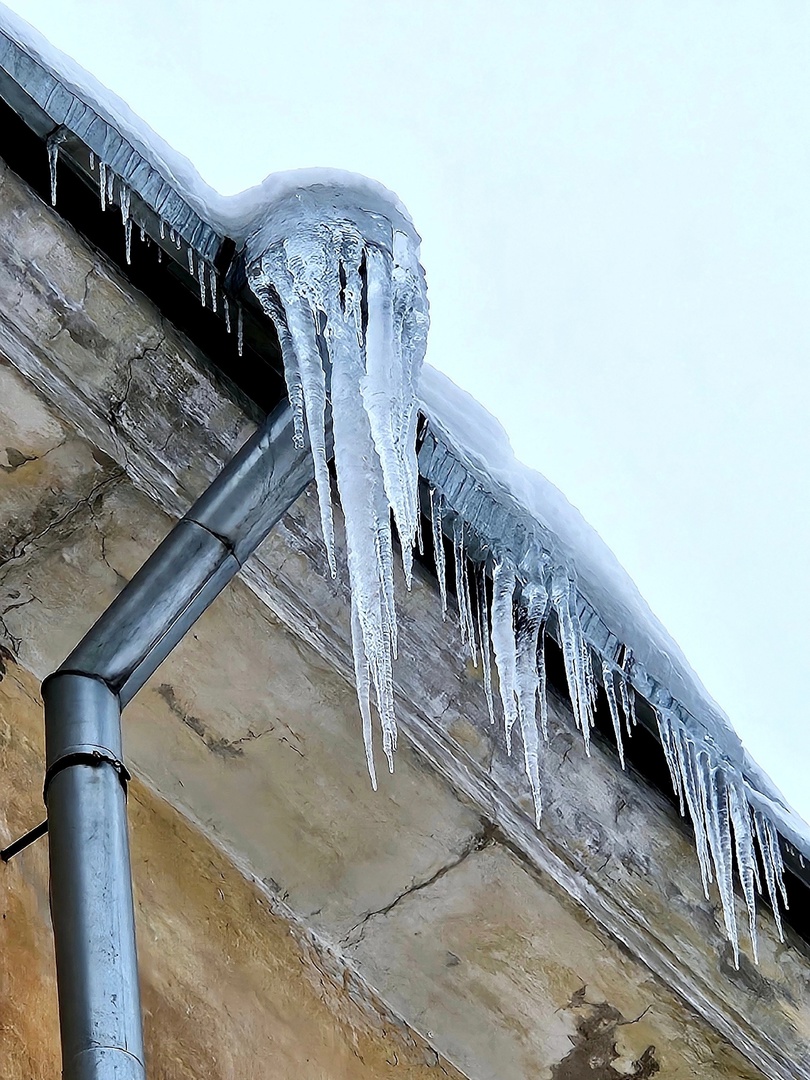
(204, 273)
(367, 306)
(728, 831)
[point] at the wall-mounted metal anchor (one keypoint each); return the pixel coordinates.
(24, 841)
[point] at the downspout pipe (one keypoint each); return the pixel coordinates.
(85, 782)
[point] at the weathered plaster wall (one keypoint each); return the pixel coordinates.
(586, 950)
(231, 988)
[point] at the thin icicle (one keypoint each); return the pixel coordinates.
(483, 634)
(465, 616)
(125, 196)
(110, 187)
(542, 690)
(240, 330)
(503, 642)
(363, 683)
(53, 158)
(671, 756)
(531, 614)
(162, 229)
(92, 161)
(226, 304)
(687, 763)
(613, 706)
(436, 515)
(768, 843)
(716, 813)
(212, 286)
(201, 278)
(190, 257)
(746, 856)
(575, 656)
(102, 185)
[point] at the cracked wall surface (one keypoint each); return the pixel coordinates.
(584, 950)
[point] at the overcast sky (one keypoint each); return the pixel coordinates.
(614, 200)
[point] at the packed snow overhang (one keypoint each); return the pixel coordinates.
(526, 564)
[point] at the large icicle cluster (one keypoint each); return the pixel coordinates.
(336, 264)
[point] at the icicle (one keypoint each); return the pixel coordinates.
(465, 616)
(531, 615)
(92, 161)
(363, 683)
(576, 657)
(436, 515)
(53, 157)
(110, 187)
(160, 254)
(304, 372)
(212, 285)
(483, 634)
(768, 843)
(746, 857)
(670, 754)
(162, 229)
(542, 691)
(201, 278)
(388, 397)
(240, 330)
(716, 813)
(628, 694)
(102, 185)
(227, 307)
(190, 256)
(503, 642)
(687, 763)
(613, 706)
(142, 234)
(125, 196)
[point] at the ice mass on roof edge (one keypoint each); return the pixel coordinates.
(333, 238)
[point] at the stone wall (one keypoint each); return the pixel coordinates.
(292, 921)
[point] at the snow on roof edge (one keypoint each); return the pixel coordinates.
(482, 443)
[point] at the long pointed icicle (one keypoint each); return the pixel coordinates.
(613, 706)
(768, 843)
(436, 515)
(483, 634)
(574, 654)
(53, 158)
(503, 642)
(746, 857)
(465, 616)
(531, 614)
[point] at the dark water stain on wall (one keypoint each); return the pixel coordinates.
(594, 1052)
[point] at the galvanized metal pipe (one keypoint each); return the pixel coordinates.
(91, 890)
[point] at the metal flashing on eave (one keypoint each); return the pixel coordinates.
(46, 104)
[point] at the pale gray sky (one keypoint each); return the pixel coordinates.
(615, 206)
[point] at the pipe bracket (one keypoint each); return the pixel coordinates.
(93, 758)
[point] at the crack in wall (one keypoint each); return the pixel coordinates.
(484, 838)
(20, 546)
